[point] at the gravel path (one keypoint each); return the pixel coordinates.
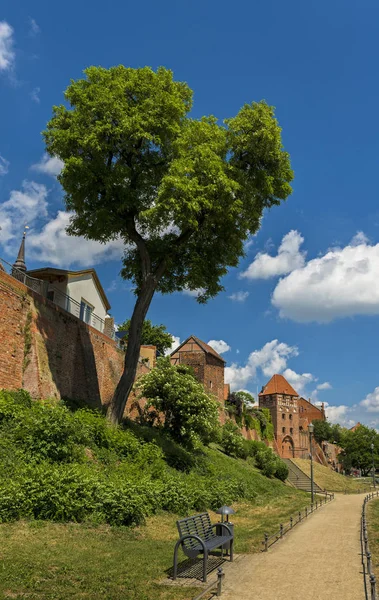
(318, 560)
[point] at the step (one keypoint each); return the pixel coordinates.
(300, 479)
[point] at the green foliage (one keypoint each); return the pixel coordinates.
(357, 452)
(132, 155)
(232, 441)
(183, 194)
(152, 335)
(233, 444)
(178, 403)
(326, 432)
(73, 466)
(27, 340)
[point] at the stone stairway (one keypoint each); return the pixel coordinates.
(299, 479)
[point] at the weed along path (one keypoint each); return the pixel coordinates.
(318, 560)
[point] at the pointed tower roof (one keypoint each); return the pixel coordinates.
(20, 262)
(278, 385)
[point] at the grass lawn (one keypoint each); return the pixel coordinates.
(373, 532)
(50, 561)
(330, 480)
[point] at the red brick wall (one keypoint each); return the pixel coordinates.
(51, 353)
(208, 370)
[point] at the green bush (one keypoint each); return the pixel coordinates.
(232, 441)
(73, 466)
(281, 470)
(178, 403)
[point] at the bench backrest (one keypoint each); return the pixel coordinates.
(196, 525)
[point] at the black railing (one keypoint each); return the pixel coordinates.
(269, 540)
(215, 585)
(58, 297)
(369, 578)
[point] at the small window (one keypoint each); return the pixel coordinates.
(283, 416)
(283, 429)
(291, 429)
(210, 384)
(85, 311)
(290, 417)
(50, 295)
(301, 428)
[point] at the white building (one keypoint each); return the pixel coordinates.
(78, 292)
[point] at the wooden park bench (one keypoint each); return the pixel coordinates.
(197, 536)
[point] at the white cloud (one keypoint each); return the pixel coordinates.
(324, 386)
(219, 345)
(289, 257)
(359, 238)
(7, 55)
(239, 296)
(49, 165)
(338, 414)
(342, 283)
(112, 286)
(298, 381)
(34, 94)
(4, 166)
(23, 206)
(319, 388)
(34, 28)
(270, 359)
(371, 402)
(194, 293)
(174, 345)
(52, 245)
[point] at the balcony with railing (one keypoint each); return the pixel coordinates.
(53, 293)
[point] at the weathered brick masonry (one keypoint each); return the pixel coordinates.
(51, 353)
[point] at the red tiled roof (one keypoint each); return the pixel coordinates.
(278, 385)
(355, 427)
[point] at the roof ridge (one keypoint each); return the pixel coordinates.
(278, 384)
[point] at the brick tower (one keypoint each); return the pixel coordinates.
(207, 364)
(282, 401)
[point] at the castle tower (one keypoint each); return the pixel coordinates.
(282, 401)
(207, 364)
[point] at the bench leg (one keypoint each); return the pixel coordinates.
(176, 560)
(205, 564)
(231, 550)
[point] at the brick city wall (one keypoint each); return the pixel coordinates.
(51, 353)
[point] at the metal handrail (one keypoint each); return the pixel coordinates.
(269, 540)
(369, 579)
(66, 302)
(215, 584)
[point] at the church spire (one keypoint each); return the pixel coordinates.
(20, 262)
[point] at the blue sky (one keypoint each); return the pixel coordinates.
(312, 309)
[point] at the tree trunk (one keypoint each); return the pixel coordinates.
(117, 406)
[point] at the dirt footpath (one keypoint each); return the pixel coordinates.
(318, 560)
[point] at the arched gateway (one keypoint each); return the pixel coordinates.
(287, 447)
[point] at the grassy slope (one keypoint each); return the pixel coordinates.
(330, 480)
(43, 560)
(373, 533)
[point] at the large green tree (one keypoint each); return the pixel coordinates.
(357, 451)
(182, 193)
(154, 335)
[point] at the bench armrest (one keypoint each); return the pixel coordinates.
(189, 536)
(226, 527)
